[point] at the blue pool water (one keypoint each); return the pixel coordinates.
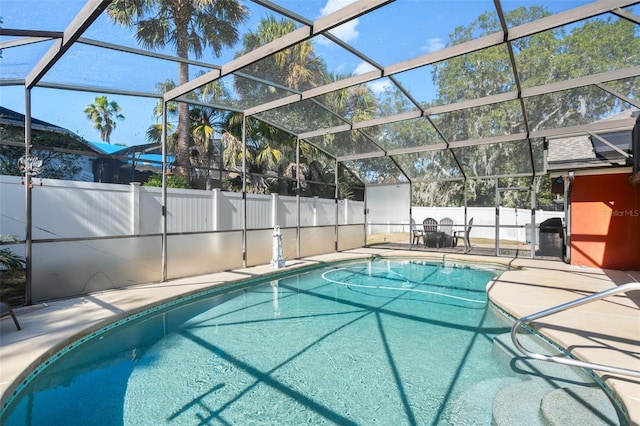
(381, 341)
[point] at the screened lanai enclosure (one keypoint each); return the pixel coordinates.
(144, 140)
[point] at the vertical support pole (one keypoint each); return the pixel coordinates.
(244, 191)
(411, 225)
(533, 219)
(298, 193)
(28, 202)
(465, 204)
(466, 220)
(497, 230)
(568, 182)
(366, 216)
(164, 191)
(336, 198)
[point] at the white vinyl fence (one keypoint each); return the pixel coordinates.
(388, 207)
(515, 224)
(66, 209)
(92, 236)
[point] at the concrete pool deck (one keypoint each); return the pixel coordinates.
(605, 331)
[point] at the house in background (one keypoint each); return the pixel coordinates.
(67, 156)
(125, 164)
(599, 176)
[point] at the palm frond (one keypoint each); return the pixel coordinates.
(11, 261)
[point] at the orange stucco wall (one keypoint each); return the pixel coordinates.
(605, 222)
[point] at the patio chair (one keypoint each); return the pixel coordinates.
(431, 233)
(446, 228)
(6, 310)
(464, 236)
(416, 233)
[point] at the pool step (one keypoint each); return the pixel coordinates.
(579, 406)
(519, 403)
(534, 402)
(551, 394)
(474, 405)
(557, 375)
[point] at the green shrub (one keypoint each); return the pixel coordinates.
(173, 181)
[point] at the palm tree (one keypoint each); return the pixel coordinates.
(190, 26)
(206, 123)
(232, 156)
(297, 68)
(154, 132)
(8, 259)
(104, 115)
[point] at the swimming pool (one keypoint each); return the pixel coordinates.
(386, 341)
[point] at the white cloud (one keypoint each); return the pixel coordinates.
(363, 67)
(433, 44)
(341, 68)
(346, 32)
(333, 5)
(378, 87)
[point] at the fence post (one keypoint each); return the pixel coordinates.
(345, 206)
(135, 207)
(215, 211)
(315, 210)
(274, 210)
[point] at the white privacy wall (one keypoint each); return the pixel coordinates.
(287, 212)
(60, 211)
(388, 204)
(351, 212)
(12, 207)
(68, 209)
(93, 236)
(515, 224)
(388, 207)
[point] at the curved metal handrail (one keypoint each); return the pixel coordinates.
(569, 361)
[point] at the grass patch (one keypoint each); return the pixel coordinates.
(403, 237)
(393, 237)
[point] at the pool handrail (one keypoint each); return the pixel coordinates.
(559, 308)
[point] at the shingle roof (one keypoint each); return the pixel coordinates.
(579, 152)
(14, 118)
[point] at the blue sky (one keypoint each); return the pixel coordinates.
(371, 34)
